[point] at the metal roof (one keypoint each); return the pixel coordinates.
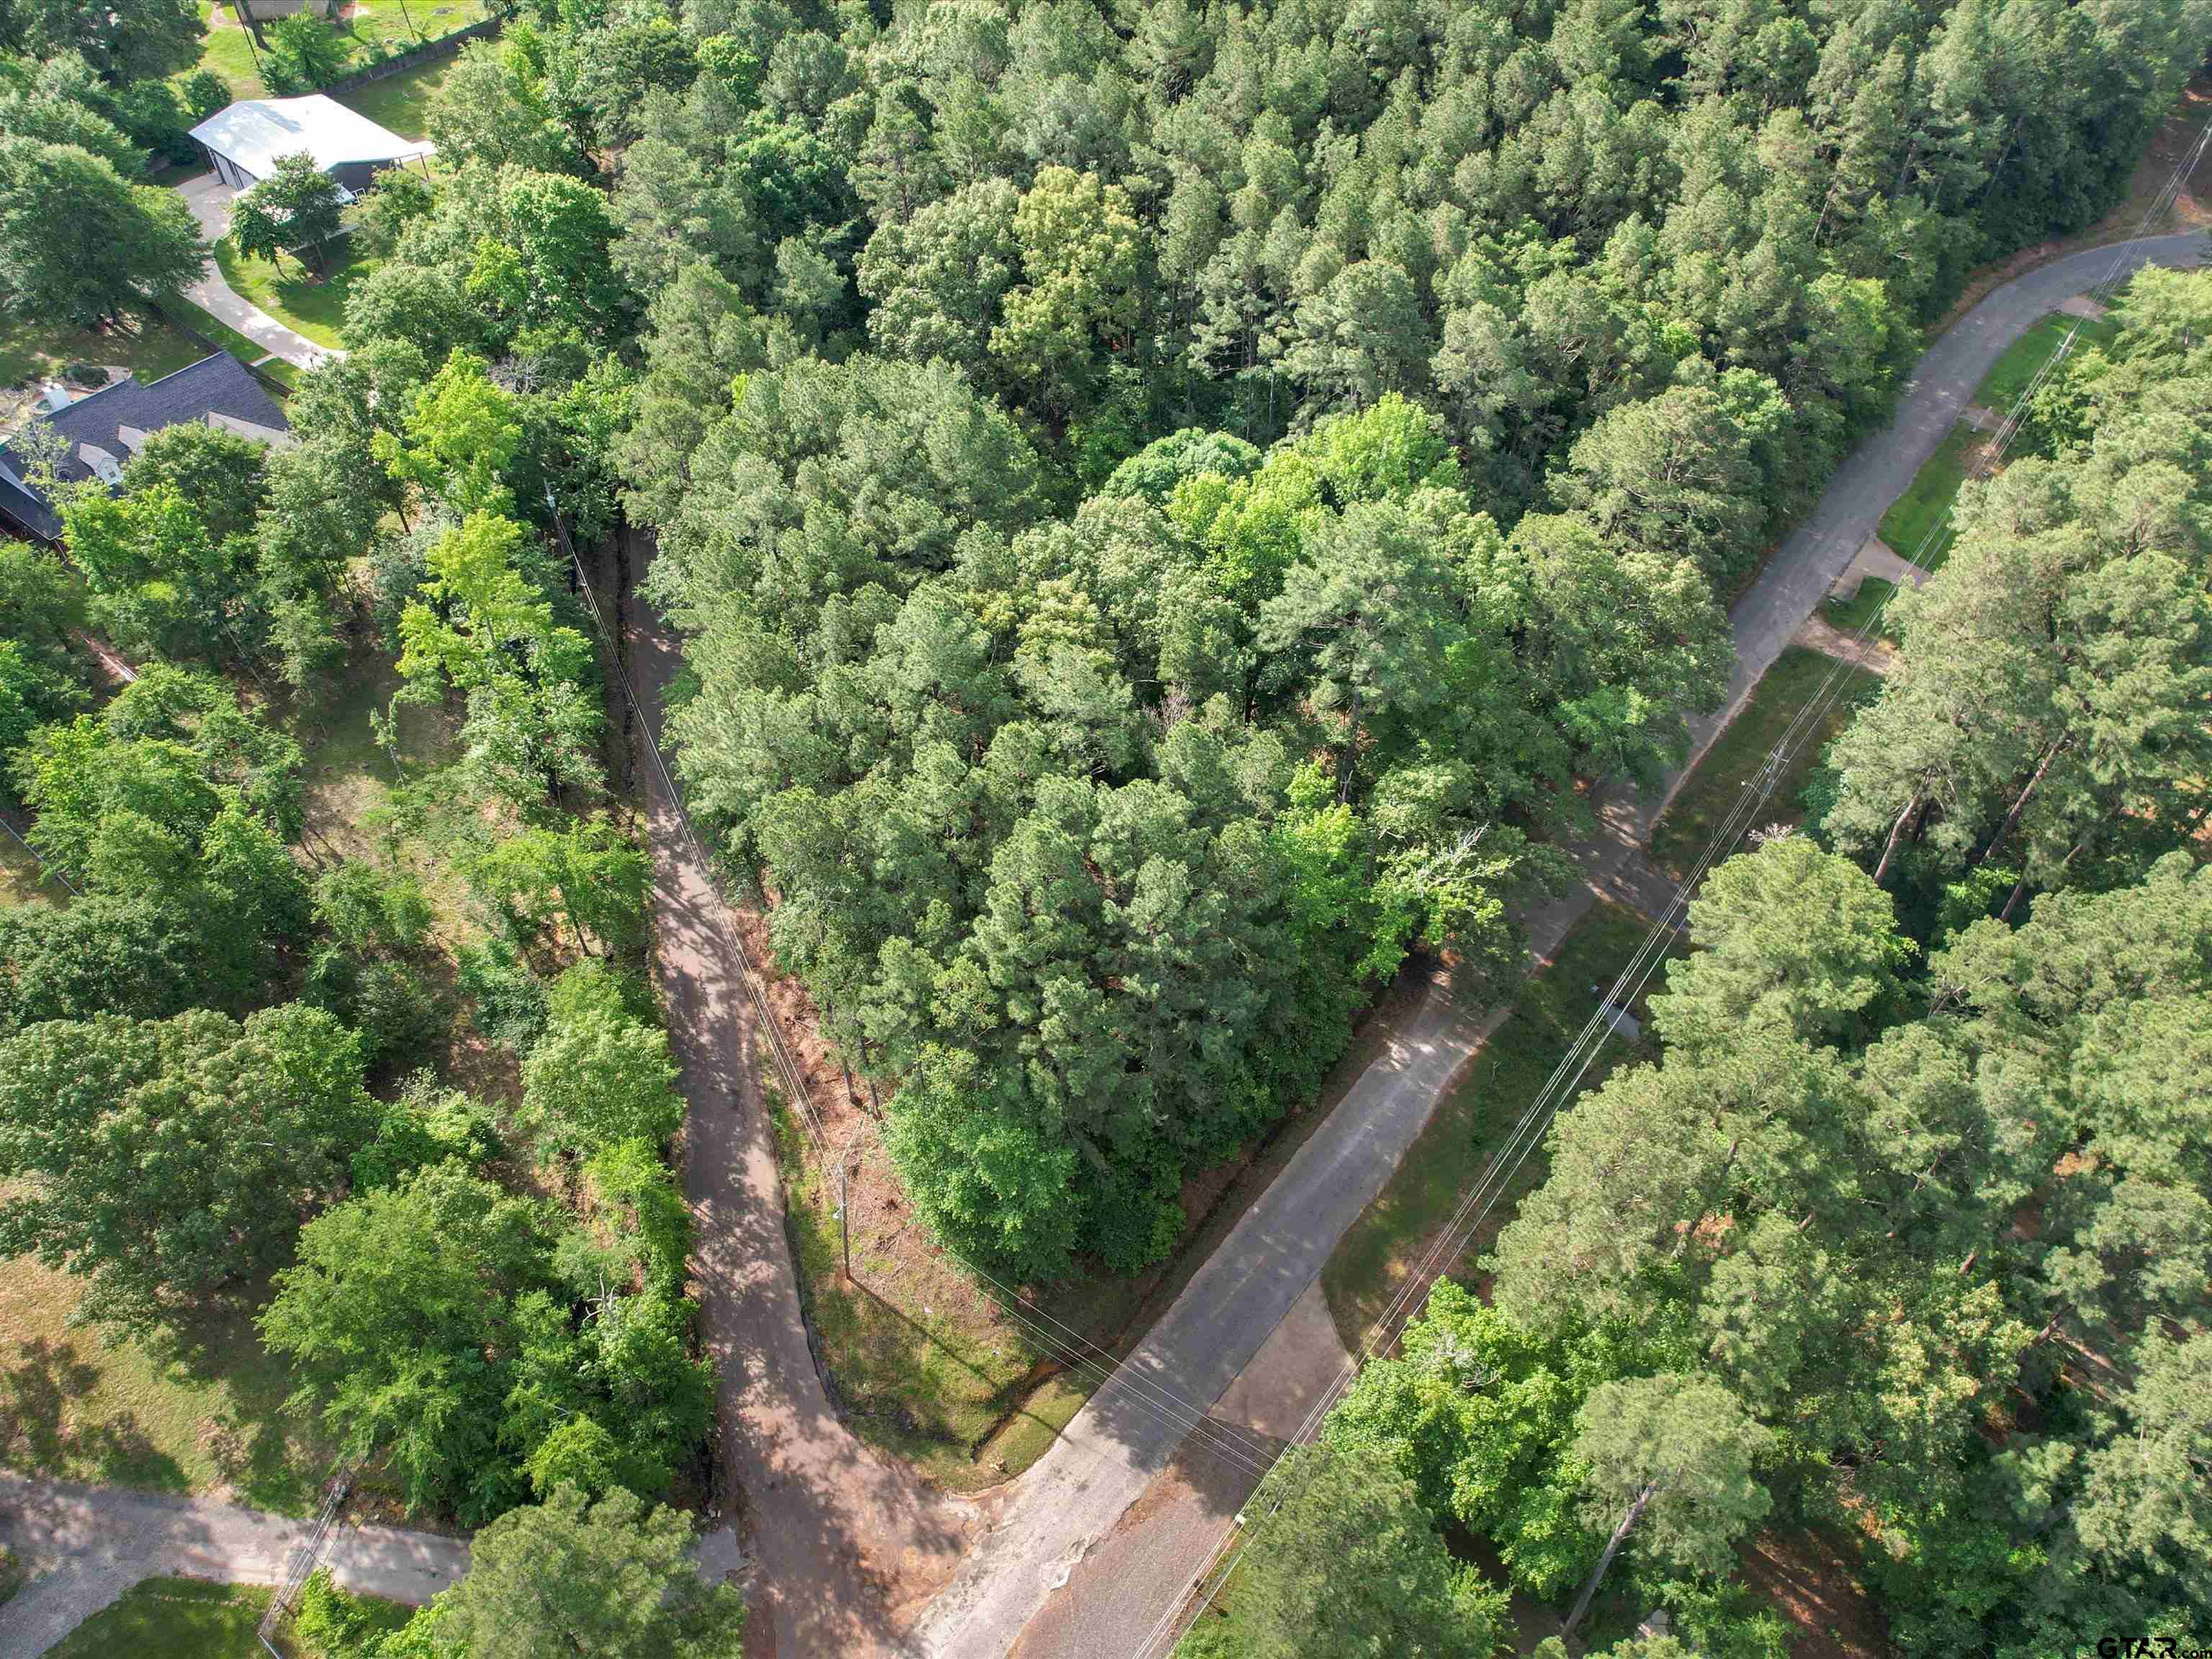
(255, 132)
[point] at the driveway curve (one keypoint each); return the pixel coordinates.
(209, 199)
(85, 1546)
(1039, 1559)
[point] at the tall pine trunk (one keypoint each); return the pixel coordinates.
(2020, 802)
(1895, 831)
(1612, 1547)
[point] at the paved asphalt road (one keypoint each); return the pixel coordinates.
(87, 1545)
(1077, 1495)
(844, 1539)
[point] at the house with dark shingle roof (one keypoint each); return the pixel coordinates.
(103, 429)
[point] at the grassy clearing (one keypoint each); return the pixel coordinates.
(22, 881)
(192, 1619)
(1849, 616)
(175, 1618)
(1914, 525)
(401, 103)
(1372, 1261)
(399, 26)
(227, 49)
(2025, 357)
(203, 1411)
(224, 336)
(307, 301)
(927, 1368)
(1710, 793)
(1915, 518)
(33, 350)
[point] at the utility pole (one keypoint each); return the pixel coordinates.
(844, 1217)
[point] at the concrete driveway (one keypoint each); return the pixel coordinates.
(85, 1546)
(209, 199)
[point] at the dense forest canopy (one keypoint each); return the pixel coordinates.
(1171, 502)
(1174, 508)
(1905, 1238)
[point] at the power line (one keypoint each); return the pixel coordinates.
(793, 1079)
(1498, 1177)
(1071, 1349)
(45, 868)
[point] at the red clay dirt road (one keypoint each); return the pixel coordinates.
(847, 1547)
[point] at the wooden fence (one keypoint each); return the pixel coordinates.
(428, 51)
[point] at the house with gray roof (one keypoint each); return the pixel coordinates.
(102, 429)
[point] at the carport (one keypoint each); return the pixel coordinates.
(244, 140)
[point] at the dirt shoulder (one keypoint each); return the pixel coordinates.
(2191, 210)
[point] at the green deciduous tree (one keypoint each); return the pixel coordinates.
(294, 209)
(164, 1160)
(1350, 1564)
(1669, 1460)
(483, 627)
(138, 42)
(598, 1078)
(492, 107)
(79, 241)
(399, 1317)
(609, 1576)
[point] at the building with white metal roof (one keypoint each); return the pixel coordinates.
(245, 140)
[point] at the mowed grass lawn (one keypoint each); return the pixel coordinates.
(192, 1619)
(309, 301)
(1373, 1261)
(2025, 357)
(227, 49)
(33, 348)
(1708, 795)
(201, 1410)
(401, 103)
(1849, 616)
(174, 1618)
(1913, 525)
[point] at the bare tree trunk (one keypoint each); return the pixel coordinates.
(1612, 1546)
(1350, 746)
(2019, 804)
(1895, 831)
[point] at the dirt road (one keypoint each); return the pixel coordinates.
(847, 1547)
